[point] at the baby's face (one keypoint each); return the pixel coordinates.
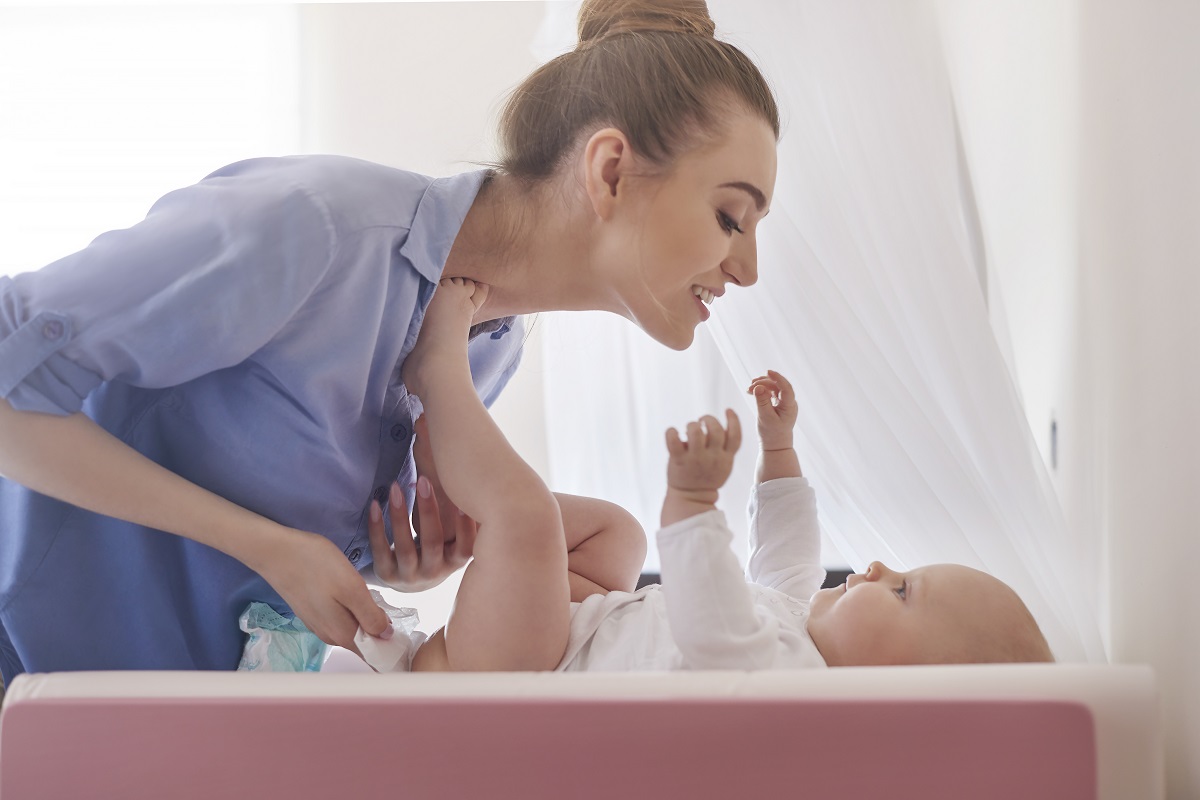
(922, 616)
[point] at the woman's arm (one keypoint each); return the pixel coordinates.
(73, 459)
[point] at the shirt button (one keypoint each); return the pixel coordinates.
(399, 432)
(355, 555)
(381, 496)
(52, 329)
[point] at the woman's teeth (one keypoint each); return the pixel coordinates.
(703, 294)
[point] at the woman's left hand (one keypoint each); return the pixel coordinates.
(442, 538)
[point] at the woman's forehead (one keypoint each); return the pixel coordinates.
(745, 156)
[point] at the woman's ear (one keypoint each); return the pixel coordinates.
(607, 158)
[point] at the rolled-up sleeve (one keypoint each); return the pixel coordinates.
(213, 273)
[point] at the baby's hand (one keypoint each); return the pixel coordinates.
(444, 330)
(777, 410)
(702, 464)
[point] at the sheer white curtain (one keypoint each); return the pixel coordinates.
(103, 109)
(869, 300)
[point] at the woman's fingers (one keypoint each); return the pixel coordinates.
(460, 550)
(381, 551)
(405, 556)
(432, 536)
(368, 616)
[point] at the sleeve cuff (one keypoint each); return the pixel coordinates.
(708, 519)
(34, 376)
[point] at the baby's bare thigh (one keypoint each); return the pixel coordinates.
(432, 657)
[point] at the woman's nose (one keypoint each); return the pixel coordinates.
(742, 264)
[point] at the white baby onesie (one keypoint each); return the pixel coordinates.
(708, 614)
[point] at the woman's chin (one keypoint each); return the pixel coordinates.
(676, 337)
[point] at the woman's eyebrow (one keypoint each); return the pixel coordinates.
(760, 199)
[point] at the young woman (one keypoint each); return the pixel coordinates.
(228, 370)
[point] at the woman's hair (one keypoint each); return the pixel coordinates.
(652, 69)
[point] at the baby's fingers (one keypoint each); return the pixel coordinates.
(766, 393)
(716, 434)
(762, 380)
(675, 446)
(786, 393)
(733, 434)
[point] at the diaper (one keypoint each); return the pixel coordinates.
(276, 643)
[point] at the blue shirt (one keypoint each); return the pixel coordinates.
(248, 336)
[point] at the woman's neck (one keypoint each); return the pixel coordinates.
(530, 246)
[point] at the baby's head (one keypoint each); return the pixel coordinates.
(939, 614)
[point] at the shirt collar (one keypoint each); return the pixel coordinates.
(439, 217)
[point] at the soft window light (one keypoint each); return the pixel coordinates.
(105, 109)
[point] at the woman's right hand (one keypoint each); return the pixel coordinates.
(444, 537)
(316, 580)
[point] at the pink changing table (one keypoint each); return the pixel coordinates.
(1058, 732)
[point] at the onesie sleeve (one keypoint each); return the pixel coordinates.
(785, 540)
(211, 274)
(711, 611)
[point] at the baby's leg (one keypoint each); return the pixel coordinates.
(606, 549)
(606, 546)
(512, 611)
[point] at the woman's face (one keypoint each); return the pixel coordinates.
(688, 235)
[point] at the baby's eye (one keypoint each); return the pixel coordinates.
(728, 223)
(903, 591)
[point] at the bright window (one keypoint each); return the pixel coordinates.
(105, 109)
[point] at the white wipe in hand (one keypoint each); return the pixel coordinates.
(394, 654)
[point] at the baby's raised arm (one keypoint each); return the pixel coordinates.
(777, 412)
(713, 616)
(699, 465)
(714, 619)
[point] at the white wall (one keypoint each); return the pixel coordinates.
(1140, 269)
(418, 86)
(90, 137)
(1080, 121)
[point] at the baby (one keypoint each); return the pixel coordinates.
(549, 585)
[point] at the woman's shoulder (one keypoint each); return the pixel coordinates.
(355, 193)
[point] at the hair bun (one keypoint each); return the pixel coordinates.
(601, 18)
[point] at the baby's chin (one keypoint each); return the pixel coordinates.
(822, 599)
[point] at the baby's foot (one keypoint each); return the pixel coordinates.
(444, 331)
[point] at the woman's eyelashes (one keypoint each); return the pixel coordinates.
(728, 223)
